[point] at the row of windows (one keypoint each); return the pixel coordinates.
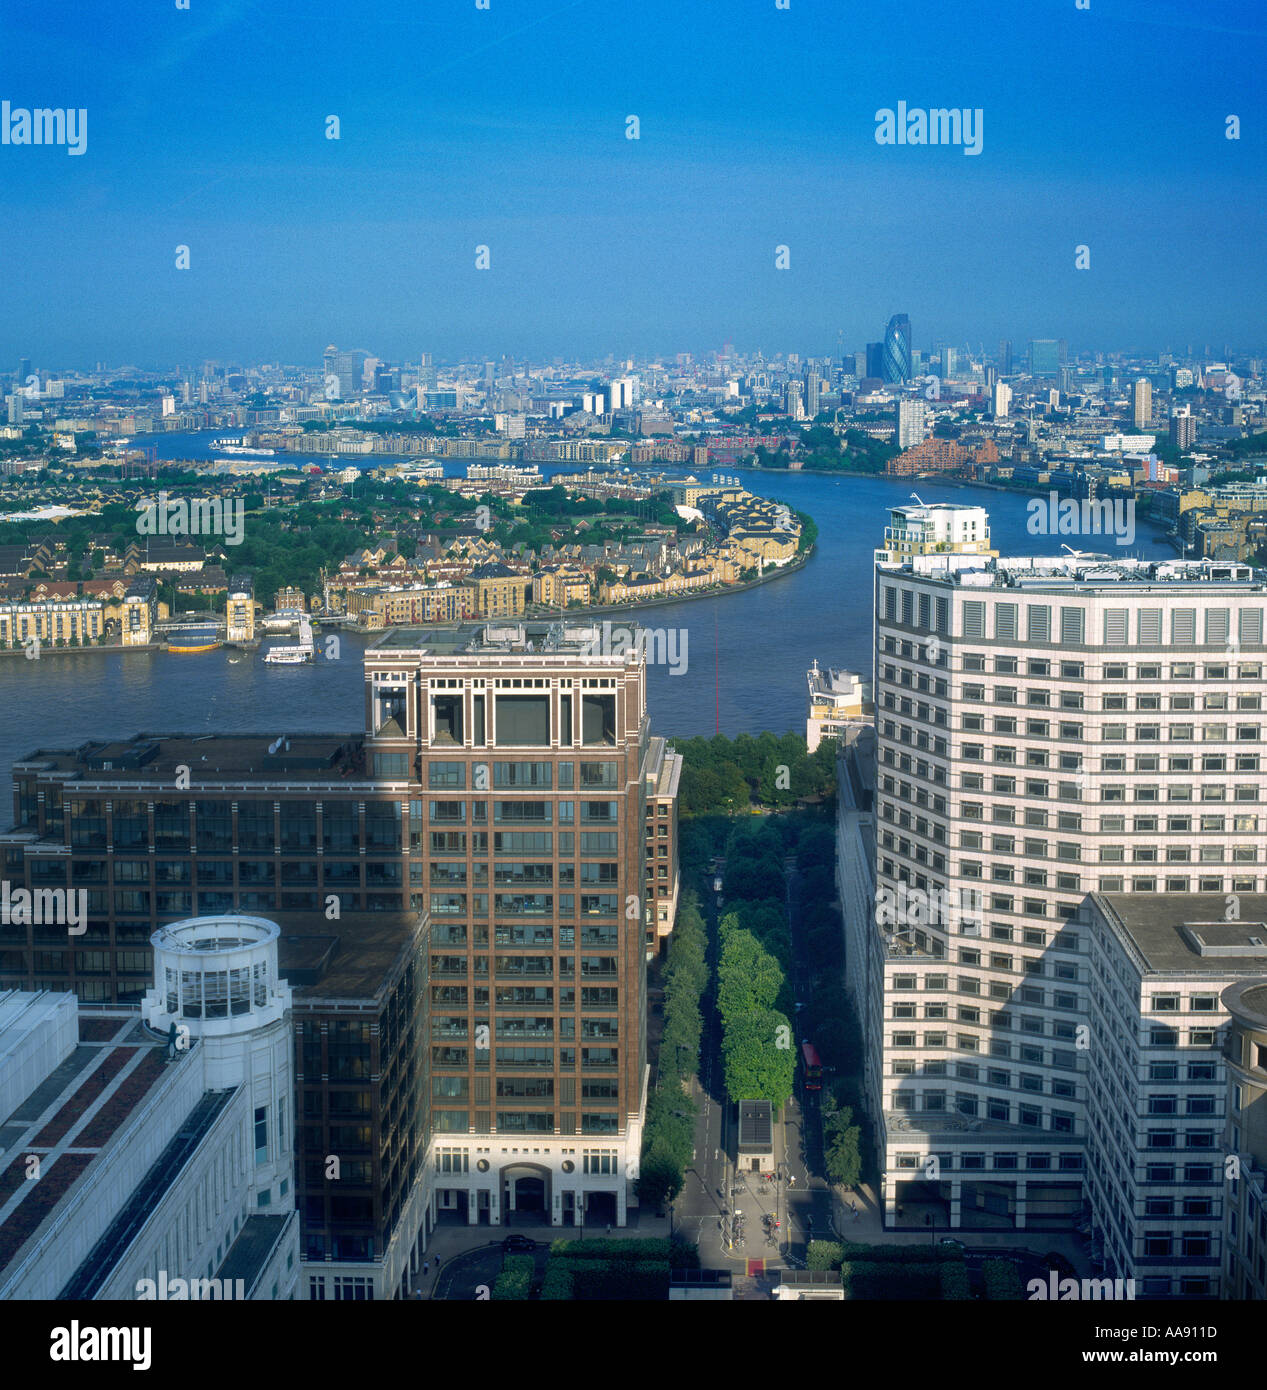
(538, 775)
(1043, 668)
(1001, 1162)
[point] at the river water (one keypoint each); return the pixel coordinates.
(746, 653)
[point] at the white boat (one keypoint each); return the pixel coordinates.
(297, 654)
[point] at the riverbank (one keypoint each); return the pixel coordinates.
(107, 649)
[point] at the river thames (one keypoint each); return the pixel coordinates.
(746, 653)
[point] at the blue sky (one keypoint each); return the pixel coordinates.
(506, 128)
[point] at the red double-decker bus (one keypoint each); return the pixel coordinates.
(813, 1067)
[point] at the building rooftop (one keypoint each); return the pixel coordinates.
(498, 638)
(352, 958)
(249, 1254)
(1062, 573)
(756, 1125)
(155, 757)
(69, 1118)
(1186, 933)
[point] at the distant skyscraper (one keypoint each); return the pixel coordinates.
(24, 371)
(1005, 356)
(875, 360)
(15, 407)
(897, 349)
(1000, 400)
(949, 363)
(792, 400)
(912, 423)
(348, 368)
(1183, 428)
(812, 384)
(1142, 403)
(1044, 357)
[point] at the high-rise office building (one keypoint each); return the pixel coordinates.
(345, 368)
(897, 349)
(912, 423)
(875, 361)
(1142, 403)
(507, 786)
(949, 363)
(24, 372)
(1044, 357)
(1005, 356)
(1047, 727)
(792, 400)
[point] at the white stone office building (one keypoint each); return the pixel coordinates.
(142, 1164)
(1047, 727)
(1161, 1195)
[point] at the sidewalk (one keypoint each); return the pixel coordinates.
(869, 1227)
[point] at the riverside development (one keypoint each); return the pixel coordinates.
(492, 942)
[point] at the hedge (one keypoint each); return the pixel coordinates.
(899, 1254)
(891, 1280)
(954, 1282)
(599, 1280)
(824, 1254)
(604, 1249)
(1002, 1280)
(558, 1284)
(515, 1280)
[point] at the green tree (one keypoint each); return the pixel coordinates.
(841, 1141)
(759, 1061)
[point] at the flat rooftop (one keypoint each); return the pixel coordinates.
(70, 1117)
(351, 958)
(1061, 574)
(155, 757)
(523, 638)
(1186, 933)
(756, 1125)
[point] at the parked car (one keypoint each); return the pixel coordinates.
(513, 1243)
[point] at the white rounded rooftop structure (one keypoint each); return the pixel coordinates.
(216, 974)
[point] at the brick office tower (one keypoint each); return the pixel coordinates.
(400, 820)
(534, 757)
